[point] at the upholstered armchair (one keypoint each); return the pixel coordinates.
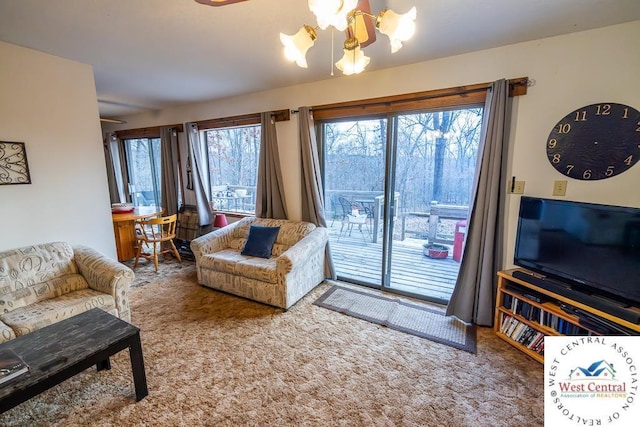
(45, 283)
(294, 266)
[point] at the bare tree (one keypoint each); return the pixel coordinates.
(233, 155)
(435, 156)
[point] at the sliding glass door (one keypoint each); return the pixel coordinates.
(354, 182)
(397, 193)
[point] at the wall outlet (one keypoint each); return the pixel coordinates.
(518, 187)
(560, 187)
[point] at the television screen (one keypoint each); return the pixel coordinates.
(594, 248)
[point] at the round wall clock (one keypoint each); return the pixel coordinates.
(595, 142)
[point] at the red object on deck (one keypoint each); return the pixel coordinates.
(458, 240)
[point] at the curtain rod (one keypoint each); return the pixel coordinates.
(518, 86)
(279, 115)
(148, 131)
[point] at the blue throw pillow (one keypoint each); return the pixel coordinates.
(260, 241)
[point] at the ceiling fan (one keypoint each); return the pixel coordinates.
(114, 121)
(361, 28)
(218, 2)
(354, 17)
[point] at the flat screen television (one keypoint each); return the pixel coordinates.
(593, 248)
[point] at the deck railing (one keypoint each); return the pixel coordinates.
(373, 200)
(435, 216)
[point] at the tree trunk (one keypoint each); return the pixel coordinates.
(438, 171)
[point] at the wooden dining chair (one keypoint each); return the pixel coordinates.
(157, 235)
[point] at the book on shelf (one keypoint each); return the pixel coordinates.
(517, 332)
(527, 336)
(507, 300)
(508, 324)
(560, 327)
(11, 365)
(506, 320)
(535, 342)
(512, 326)
(595, 323)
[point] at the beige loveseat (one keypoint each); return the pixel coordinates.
(295, 267)
(46, 283)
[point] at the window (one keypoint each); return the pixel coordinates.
(143, 167)
(232, 154)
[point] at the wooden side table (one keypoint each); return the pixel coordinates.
(124, 229)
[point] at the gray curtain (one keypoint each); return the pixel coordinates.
(115, 177)
(473, 297)
(169, 166)
(270, 201)
(111, 175)
(199, 175)
(312, 190)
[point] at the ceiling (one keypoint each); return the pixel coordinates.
(153, 54)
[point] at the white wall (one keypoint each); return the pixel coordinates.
(50, 104)
(569, 71)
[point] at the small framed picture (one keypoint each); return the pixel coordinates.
(14, 168)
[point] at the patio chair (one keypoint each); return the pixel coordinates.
(351, 215)
(336, 209)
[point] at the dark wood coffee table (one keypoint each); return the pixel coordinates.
(59, 351)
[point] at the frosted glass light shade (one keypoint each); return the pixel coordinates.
(353, 61)
(398, 27)
(332, 12)
(296, 46)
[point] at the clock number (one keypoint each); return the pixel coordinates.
(628, 160)
(581, 116)
(638, 128)
(609, 171)
(553, 142)
(556, 158)
(569, 169)
(564, 128)
(603, 110)
(626, 113)
(586, 174)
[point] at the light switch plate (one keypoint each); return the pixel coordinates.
(560, 187)
(518, 187)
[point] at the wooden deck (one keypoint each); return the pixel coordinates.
(357, 258)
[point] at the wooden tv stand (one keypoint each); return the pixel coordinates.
(526, 313)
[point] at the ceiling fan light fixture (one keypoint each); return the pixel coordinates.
(354, 61)
(297, 45)
(332, 12)
(359, 24)
(399, 27)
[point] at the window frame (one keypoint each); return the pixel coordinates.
(250, 119)
(229, 186)
(156, 173)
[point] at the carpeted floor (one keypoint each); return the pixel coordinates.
(216, 360)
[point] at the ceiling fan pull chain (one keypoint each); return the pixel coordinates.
(332, 32)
